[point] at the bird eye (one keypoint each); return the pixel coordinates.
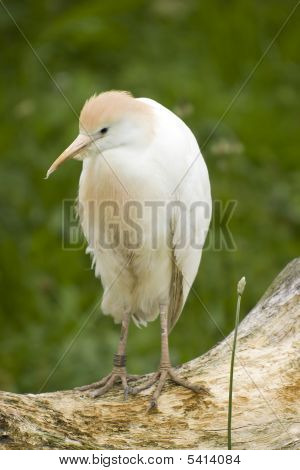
(103, 130)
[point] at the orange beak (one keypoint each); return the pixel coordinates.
(76, 146)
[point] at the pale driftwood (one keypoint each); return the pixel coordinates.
(266, 398)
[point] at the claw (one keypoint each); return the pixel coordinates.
(152, 405)
(161, 377)
(125, 386)
(99, 388)
(126, 392)
(145, 385)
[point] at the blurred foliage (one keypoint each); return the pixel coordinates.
(192, 56)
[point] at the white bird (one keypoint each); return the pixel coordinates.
(145, 206)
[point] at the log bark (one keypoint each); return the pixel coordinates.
(265, 400)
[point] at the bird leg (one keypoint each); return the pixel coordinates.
(166, 371)
(118, 373)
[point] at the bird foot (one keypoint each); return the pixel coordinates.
(161, 377)
(118, 374)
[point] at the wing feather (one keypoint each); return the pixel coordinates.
(176, 294)
(189, 226)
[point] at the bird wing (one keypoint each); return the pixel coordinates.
(189, 226)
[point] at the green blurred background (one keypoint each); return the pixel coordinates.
(191, 56)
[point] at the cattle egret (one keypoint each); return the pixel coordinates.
(145, 207)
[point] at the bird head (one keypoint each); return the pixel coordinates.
(109, 120)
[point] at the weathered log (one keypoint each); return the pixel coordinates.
(266, 397)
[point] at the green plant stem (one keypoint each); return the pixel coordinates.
(237, 315)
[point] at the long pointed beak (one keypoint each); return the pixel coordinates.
(76, 146)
